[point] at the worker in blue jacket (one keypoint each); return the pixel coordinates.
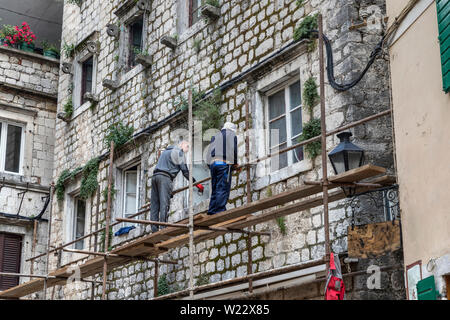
(222, 159)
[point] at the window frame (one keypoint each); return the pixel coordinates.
(3, 137)
(84, 78)
(285, 86)
(79, 104)
(124, 188)
(129, 40)
(192, 12)
(75, 224)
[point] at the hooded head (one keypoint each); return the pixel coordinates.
(229, 126)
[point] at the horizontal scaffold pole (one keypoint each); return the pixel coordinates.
(113, 255)
(178, 225)
(85, 236)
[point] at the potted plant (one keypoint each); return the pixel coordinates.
(24, 37)
(6, 36)
(50, 50)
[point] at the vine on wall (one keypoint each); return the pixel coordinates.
(312, 128)
(89, 182)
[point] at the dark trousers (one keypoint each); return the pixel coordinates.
(221, 183)
(160, 199)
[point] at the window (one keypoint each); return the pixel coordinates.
(135, 40)
(79, 222)
(200, 171)
(10, 255)
(11, 147)
(194, 11)
(130, 191)
(284, 117)
(86, 77)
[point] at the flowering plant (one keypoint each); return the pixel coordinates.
(19, 35)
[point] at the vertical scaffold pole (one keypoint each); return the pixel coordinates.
(191, 213)
(107, 219)
(33, 247)
(52, 189)
(249, 195)
(155, 280)
(323, 130)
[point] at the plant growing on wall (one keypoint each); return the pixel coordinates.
(102, 239)
(163, 286)
(75, 2)
(197, 44)
(105, 192)
(303, 31)
(68, 107)
(310, 94)
(214, 3)
(205, 109)
(69, 50)
(300, 3)
(202, 280)
(119, 133)
(89, 182)
(310, 130)
(59, 187)
(281, 221)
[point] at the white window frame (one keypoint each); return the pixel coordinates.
(287, 113)
(121, 194)
(74, 221)
(3, 138)
(124, 186)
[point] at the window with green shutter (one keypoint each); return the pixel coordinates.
(443, 15)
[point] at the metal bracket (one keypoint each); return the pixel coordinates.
(23, 196)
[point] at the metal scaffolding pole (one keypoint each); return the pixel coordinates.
(191, 212)
(323, 130)
(52, 189)
(108, 217)
(249, 194)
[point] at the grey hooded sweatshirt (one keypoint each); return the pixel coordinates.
(171, 161)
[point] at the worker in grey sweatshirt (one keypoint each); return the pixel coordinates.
(171, 161)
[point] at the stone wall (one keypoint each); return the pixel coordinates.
(207, 55)
(28, 85)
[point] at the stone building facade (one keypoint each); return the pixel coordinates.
(143, 92)
(28, 100)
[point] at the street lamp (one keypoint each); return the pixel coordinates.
(346, 156)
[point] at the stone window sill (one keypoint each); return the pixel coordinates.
(81, 109)
(131, 74)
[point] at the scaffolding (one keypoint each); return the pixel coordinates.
(200, 227)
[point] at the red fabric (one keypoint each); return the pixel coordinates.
(333, 292)
(332, 265)
(335, 289)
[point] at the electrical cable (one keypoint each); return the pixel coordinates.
(330, 65)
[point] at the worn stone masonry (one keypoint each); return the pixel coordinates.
(28, 100)
(208, 54)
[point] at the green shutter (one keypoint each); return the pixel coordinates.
(426, 289)
(443, 15)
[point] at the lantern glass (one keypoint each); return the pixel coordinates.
(354, 159)
(338, 162)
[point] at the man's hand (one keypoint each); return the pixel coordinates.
(200, 187)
